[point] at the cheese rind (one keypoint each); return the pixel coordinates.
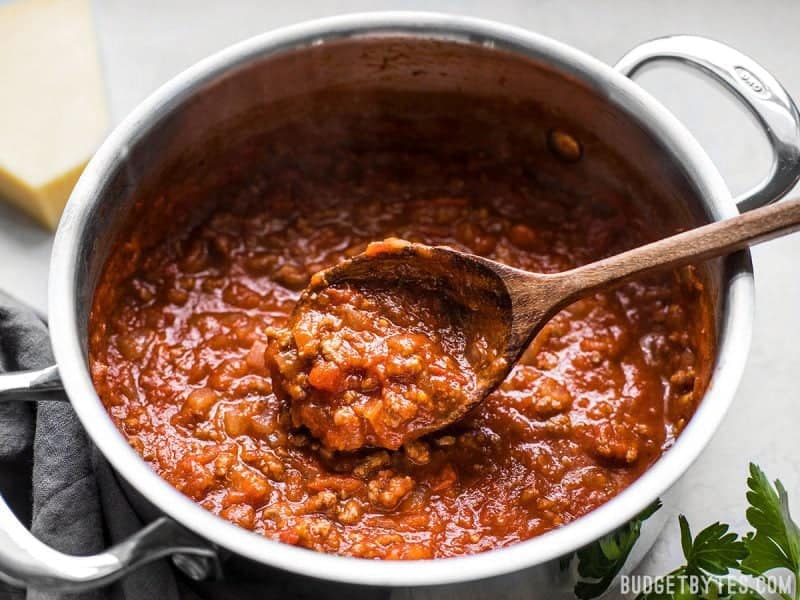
(53, 112)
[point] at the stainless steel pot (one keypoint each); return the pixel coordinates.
(389, 51)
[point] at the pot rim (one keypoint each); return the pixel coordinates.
(735, 325)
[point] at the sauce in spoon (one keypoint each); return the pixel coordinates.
(383, 361)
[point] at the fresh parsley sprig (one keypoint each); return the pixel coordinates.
(775, 543)
(710, 556)
(716, 553)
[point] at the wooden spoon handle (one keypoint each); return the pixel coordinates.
(694, 245)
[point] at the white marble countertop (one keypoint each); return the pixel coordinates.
(146, 42)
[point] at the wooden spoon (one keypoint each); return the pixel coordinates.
(509, 306)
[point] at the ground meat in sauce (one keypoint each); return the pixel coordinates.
(365, 366)
(178, 359)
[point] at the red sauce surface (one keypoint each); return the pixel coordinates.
(178, 343)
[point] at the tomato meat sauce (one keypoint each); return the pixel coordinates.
(377, 364)
(194, 356)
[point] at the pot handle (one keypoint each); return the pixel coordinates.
(753, 85)
(25, 561)
(32, 386)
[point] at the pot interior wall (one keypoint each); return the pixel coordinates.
(394, 92)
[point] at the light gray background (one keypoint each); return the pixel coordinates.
(144, 43)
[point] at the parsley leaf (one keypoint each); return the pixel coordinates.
(710, 556)
(600, 562)
(776, 541)
(715, 550)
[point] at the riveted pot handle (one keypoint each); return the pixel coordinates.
(753, 85)
(25, 561)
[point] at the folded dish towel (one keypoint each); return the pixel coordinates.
(61, 486)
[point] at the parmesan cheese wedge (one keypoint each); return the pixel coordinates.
(53, 112)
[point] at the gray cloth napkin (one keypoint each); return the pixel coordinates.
(60, 486)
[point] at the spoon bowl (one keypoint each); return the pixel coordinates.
(471, 304)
